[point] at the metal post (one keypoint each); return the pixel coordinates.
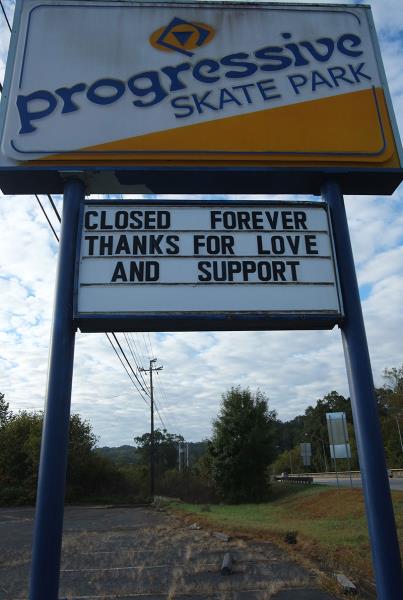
(324, 454)
(332, 445)
(152, 445)
(48, 529)
(152, 436)
(346, 446)
(378, 502)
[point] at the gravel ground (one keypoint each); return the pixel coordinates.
(141, 553)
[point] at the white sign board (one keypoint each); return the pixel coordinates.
(117, 83)
(258, 261)
(337, 428)
(306, 453)
(340, 451)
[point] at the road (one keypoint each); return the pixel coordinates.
(395, 483)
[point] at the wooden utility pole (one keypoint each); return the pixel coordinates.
(152, 441)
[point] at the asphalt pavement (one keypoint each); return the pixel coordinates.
(144, 554)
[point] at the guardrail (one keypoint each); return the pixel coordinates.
(354, 474)
(295, 479)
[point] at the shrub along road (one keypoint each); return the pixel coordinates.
(142, 553)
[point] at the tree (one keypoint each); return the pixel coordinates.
(19, 456)
(390, 402)
(20, 441)
(5, 414)
(290, 461)
(242, 445)
(315, 426)
(165, 449)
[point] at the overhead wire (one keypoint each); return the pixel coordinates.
(5, 15)
(137, 347)
(46, 217)
(158, 400)
(124, 366)
(159, 416)
(137, 365)
(157, 403)
(150, 344)
(145, 351)
(54, 208)
(130, 366)
(146, 345)
(163, 400)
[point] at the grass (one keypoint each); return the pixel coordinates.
(331, 525)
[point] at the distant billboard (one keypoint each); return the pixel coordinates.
(338, 435)
(136, 84)
(229, 265)
(306, 453)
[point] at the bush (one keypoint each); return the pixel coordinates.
(89, 475)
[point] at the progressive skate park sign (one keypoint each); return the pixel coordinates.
(196, 97)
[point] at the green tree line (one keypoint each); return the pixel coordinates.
(311, 427)
(248, 444)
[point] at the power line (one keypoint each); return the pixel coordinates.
(137, 364)
(130, 366)
(46, 216)
(147, 350)
(124, 366)
(5, 15)
(162, 392)
(158, 404)
(146, 344)
(159, 414)
(137, 346)
(54, 207)
(149, 341)
(157, 408)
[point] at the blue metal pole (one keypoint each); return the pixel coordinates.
(48, 527)
(378, 501)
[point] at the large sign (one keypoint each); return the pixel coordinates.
(218, 266)
(120, 84)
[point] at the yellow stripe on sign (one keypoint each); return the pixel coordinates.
(347, 129)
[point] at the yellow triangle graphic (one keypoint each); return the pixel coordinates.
(348, 128)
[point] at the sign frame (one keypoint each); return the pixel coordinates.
(193, 178)
(199, 321)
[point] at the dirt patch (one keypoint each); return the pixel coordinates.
(349, 502)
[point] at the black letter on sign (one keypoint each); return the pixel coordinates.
(119, 273)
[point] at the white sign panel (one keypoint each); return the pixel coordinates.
(340, 451)
(226, 259)
(126, 83)
(337, 428)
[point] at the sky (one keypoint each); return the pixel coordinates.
(294, 369)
